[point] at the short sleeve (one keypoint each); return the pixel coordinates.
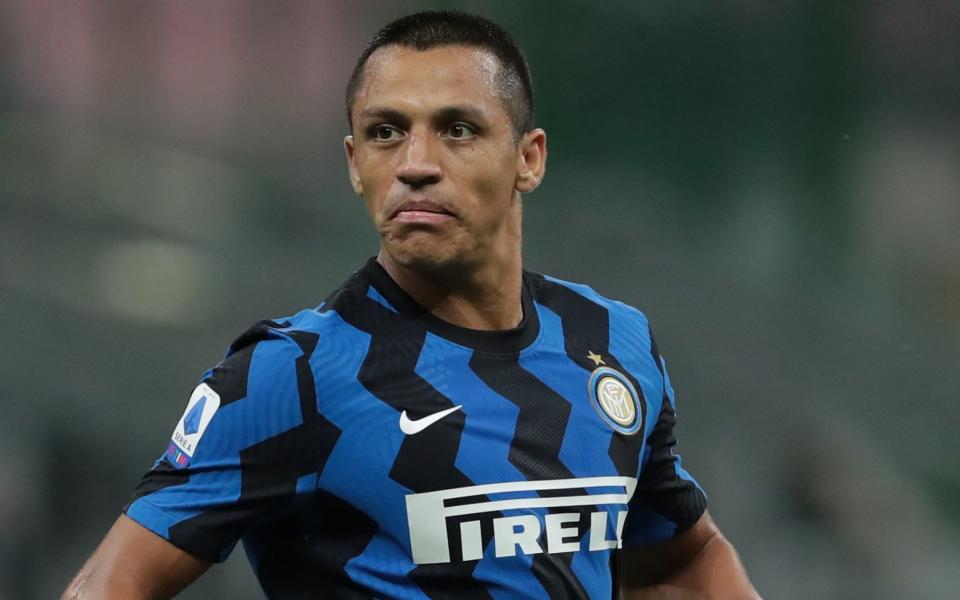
(243, 449)
(667, 500)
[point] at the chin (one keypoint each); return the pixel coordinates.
(426, 257)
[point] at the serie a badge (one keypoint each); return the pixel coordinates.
(616, 400)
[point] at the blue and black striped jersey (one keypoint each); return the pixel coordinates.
(369, 449)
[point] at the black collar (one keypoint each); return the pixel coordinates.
(498, 342)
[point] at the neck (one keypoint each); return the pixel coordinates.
(484, 297)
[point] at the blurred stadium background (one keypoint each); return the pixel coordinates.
(777, 184)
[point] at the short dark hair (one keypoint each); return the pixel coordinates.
(431, 29)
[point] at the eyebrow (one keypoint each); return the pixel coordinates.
(458, 112)
(385, 114)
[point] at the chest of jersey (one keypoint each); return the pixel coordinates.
(457, 453)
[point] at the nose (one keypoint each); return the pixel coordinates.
(419, 166)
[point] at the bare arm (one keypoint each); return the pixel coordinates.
(698, 564)
(133, 563)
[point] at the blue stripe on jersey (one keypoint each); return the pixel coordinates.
(307, 484)
(656, 527)
(153, 518)
(375, 295)
(380, 568)
(483, 455)
(502, 584)
(270, 408)
(594, 573)
(585, 433)
(630, 343)
(369, 428)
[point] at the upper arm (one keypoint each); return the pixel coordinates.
(698, 563)
(667, 500)
(671, 546)
(133, 563)
(650, 564)
(237, 455)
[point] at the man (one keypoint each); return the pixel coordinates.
(445, 424)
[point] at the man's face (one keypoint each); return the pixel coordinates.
(434, 156)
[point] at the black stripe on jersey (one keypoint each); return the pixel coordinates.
(290, 568)
(229, 380)
(304, 553)
(659, 486)
(259, 331)
(586, 328)
(268, 471)
(276, 324)
(425, 462)
(542, 422)
(306, 385)
(535, 451)
(615, 575)
(654, 351)
(161, 476)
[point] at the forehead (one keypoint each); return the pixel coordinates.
(445, 75)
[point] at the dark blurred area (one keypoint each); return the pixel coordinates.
(776, 184)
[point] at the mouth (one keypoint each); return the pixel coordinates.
(420, 211)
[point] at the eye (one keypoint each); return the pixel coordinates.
(460, 131)
(384, 133)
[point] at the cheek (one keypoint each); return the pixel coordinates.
(494, 177)
(376, 181)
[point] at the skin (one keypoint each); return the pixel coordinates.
(441, 172)
(132, 563)
(698, 564)
(431, 132)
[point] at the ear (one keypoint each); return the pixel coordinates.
(531, 160)
(352, 165)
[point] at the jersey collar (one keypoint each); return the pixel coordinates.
(504, 341)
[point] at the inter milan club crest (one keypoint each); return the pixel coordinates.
(616, 400)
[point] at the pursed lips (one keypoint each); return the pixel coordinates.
(420, 211)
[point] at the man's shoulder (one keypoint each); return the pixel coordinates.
(305, 324)
(276, 338)
(555, 290)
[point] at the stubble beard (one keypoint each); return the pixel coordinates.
(451, 255)
(424, 253)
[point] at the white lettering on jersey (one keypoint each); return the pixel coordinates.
(427, 515)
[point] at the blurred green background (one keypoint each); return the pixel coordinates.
(776, 184)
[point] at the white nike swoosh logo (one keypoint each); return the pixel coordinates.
(410, 427)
